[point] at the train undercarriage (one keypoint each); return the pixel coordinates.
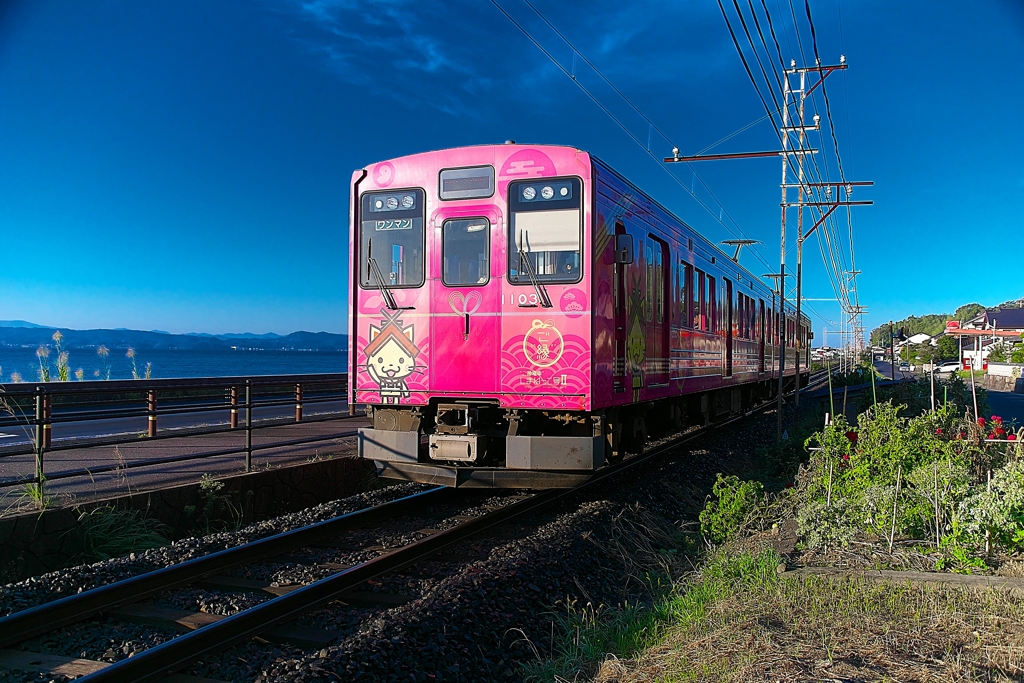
(475, 443)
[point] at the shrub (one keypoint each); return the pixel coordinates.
(733, 501)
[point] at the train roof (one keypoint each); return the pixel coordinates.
(594, 159)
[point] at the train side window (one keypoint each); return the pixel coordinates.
(661, 277)
(649, 299)
(712, 308)
(464, 252)
(699, 312)
(685, 277)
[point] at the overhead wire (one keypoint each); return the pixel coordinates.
(618, 122)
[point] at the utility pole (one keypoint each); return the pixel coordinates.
(794, 152)
(805, 189)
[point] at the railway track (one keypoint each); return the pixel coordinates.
(454, 516)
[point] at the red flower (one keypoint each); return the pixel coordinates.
(939, 431)
(846, 457)
(1011, 437)
(991, 437)
(998, 420)
(981, 422)
(789, 486)
(852, 436)
(962, 435)
(1000, 431)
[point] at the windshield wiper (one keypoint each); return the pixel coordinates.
(524, 264)
(373, 269)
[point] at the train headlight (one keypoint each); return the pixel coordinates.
(547, 192)
(408, 201)
(378, 205)
(392, 203)
(529, 193)
(564, 191)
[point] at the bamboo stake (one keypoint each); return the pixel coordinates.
(845, 390)
(831, 400)
(988, 532)
(874, 396)
(935, 468)
(895, 500)
(828, 497)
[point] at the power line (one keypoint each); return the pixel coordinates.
(610, 115)
(824, 91)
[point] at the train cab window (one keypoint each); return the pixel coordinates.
(545, 236)
(465, 246)
(391, 239)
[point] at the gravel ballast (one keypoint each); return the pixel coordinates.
(478, 617)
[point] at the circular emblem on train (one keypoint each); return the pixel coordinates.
(384, 174)
(573, 302)
(526, 163)
(543, 344)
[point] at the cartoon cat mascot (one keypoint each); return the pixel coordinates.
(391, 358)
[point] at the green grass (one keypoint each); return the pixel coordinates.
(737, 619)
(107, 532)
(585, 636)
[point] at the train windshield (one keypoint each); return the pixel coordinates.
(391, 238)
(545, 229)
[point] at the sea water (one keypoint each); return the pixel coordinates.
(176, 363)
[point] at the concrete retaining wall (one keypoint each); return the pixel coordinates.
(35, 543)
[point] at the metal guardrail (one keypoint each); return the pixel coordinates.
(39, 406)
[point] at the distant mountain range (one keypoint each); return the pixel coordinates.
(20, 333)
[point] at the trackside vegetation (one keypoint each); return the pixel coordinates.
(899, 486)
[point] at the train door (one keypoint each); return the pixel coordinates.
(728, 313)
(760, 334)
(619, 313)
(465, 335)
(656, 310)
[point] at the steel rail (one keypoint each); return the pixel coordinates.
(47, 617)
(158, 662)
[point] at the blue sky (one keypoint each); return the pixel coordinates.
(184, 166)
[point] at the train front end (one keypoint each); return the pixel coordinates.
(470, 329)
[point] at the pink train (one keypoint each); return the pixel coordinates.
(522, 314)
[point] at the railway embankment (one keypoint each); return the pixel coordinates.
(38, 541)
(897, 554)
(490, 608)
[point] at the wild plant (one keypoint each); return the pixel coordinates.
(733, 501)
(104, 353)
(62, 357)
(135, 368)
(108, 532)
(218, 511)
(43, 354)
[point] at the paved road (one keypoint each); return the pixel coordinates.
(885, 368)
(65, 491)
(1007, 405)
(62, 432)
